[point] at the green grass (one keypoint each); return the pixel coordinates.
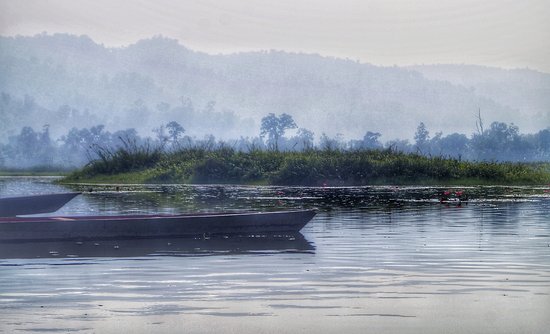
(312, 168)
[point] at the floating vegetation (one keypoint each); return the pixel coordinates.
(311, 168)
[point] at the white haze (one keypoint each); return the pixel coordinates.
(502, 33)
(75, 82)
(223, 52)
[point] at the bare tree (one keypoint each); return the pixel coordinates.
(479, 123)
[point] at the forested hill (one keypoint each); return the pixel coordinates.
(67, 81)
(521, 89)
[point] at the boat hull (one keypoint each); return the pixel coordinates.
(35, 204)
(151, 226)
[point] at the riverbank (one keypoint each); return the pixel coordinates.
(311, 168)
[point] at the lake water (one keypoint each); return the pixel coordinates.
(373, 260)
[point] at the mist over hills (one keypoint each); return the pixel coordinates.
(71, 81)
(521, 89)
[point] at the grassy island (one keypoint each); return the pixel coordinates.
(311, 167)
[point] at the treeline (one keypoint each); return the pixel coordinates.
(36, 148)
(17, 113)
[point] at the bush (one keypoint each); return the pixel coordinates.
(312, 167)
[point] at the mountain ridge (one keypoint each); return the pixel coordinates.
(324, 94)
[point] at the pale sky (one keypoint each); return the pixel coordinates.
(504, 33)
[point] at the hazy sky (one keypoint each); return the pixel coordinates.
(490, 32)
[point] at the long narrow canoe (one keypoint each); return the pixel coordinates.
(151, 226)
(35, 204)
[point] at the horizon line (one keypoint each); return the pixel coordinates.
(238, 51)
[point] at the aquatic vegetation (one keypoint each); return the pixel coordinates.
(136, 164)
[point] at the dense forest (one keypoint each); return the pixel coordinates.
(35, 148)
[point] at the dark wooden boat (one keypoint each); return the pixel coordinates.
(152, 226)
(34, 204)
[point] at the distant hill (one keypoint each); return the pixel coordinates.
(66, 81)
(525, 90)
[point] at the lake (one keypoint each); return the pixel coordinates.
(373, 260)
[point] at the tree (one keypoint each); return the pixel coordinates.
(543, 140)
(479, 123)
(454, 145)
(399, 145)
(161, 135)
(542, 145)
(370, 140)
(500, 142)
(81, 145)
(332, 144)
(305, 139)
(422, 138)
(175, 131)
(274, 127)
(31, 148)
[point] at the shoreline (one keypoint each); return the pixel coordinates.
(305, 168)
(422, 183)
(317, 168)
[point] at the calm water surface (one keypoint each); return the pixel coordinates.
(374, 260)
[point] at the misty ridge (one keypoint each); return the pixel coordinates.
(67, 94)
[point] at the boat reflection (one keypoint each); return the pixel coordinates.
(203, 246)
